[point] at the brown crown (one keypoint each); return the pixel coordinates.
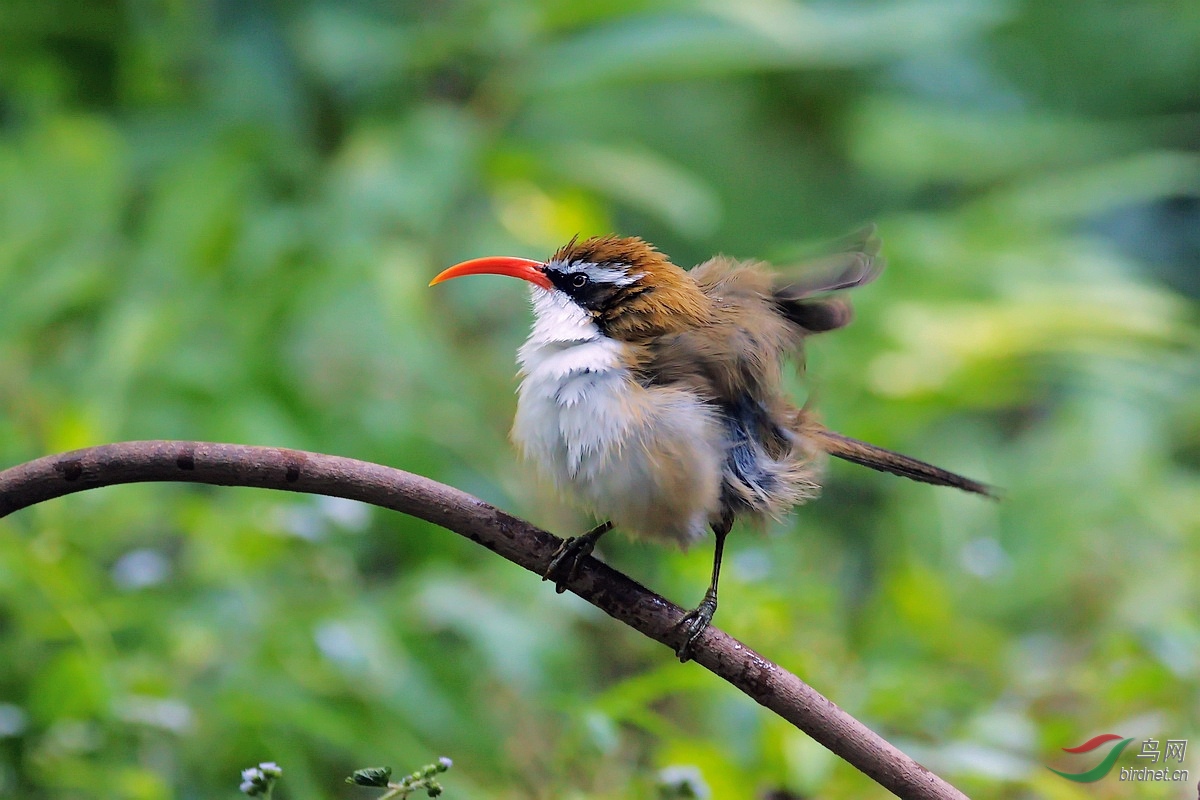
(611, 249)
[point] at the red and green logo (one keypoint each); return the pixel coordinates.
(1104, 767)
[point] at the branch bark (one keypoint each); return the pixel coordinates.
(515, 539)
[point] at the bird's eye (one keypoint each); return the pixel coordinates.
(579, 281)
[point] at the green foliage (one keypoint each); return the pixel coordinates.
(422, 780)
(217, 222)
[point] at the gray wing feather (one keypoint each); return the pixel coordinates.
(857, 263)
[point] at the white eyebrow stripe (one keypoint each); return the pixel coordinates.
(612, 275)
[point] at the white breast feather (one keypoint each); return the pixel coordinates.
(650, 459)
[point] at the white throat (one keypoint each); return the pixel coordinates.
(558, 319)
(571, 408)
(565, 355)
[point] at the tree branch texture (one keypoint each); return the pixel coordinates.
(515, 539)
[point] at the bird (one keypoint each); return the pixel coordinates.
(653, 396)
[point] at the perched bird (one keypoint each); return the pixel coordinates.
(653, 396)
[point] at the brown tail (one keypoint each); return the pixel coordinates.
(868, 455)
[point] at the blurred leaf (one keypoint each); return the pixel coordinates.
(642, 180)
(922, 143)
(724, 40)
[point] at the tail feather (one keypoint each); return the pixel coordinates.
(868, 455)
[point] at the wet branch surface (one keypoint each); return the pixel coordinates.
(515, 539)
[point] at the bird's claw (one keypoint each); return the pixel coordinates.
(694, 623)
(573, 550)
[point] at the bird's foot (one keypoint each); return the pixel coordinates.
(572, 551)
(694, 623)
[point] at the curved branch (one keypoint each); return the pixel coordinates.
(513, 538)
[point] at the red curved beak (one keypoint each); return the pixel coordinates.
(523, 268)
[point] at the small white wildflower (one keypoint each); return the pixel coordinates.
(683, 781)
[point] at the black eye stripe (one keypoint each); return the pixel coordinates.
(594, 293)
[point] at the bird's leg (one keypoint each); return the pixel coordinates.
(695, 621)
(572, 551)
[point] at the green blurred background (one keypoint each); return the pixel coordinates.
(217, 222)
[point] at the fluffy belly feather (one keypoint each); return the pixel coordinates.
(649, 459)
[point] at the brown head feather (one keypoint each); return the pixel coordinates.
(610, 249)
(664, 298)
